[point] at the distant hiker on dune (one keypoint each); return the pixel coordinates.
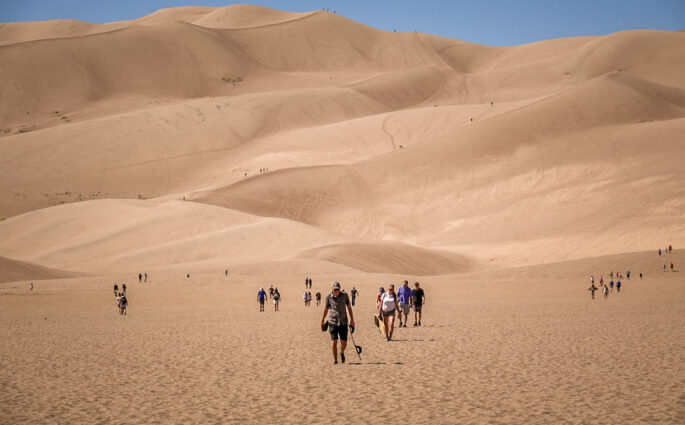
(592, 290)
(605, 291)
(261, 297)
(277, 299)
(123, 303)
(123, 287)
(116, 289)
(354, 293)
(140, 277)
(318, 298)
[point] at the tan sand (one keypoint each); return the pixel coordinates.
(491, 349)
(282, 145)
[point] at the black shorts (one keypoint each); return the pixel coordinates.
(417, 308)
(338, 332)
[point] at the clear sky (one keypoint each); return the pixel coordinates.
(491, 22)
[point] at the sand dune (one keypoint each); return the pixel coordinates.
(390, 258)
(221, 150)
(13, 271)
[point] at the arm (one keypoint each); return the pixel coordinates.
(349, 309)
(325, 312)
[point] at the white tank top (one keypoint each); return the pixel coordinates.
(388, 302)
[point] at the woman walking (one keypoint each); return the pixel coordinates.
(388, 308)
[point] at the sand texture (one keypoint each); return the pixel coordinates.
(280, 145)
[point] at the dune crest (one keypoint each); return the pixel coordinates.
(353, 138)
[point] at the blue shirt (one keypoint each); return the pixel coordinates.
(404, 293)
(261, 295)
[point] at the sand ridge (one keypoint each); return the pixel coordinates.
(221, 150)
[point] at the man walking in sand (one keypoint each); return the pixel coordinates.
(405, 298)
(419, 301)
(354, 293)
(261, 297)
(335, 304)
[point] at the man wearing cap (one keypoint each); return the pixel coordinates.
(335, 304)
(405, 298)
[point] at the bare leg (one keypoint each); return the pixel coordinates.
(335, 350)
(392, 326)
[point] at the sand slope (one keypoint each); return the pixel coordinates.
(220, 150)
(372, 135)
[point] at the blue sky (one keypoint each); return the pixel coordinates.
(491, 22)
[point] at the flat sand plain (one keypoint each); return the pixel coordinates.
(491, 349)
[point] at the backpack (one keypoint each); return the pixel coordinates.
(277, 296)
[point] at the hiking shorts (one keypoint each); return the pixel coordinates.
(404, 308)
(417, 308)
(389, 313)
(338, 332)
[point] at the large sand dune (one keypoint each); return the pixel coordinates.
(281, 145)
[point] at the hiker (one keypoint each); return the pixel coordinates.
(226, 272)
(405, 298)
(671, 266)
(389, 306)
(381, 291)
(659, 252)
(145, 277)
(605, 291)
(592, 290)
(309, 298)
(306, 282)
(618, 286)
(670, 248)
(334, 305)
(31, 286)
(419, 301)
(592, 279)
(123, 303)
(611, 285)
(116, 289)
(354, 293)
(640, 275)
(318, 298)
(601, 280)
(611, 274)
(261, 297)
(271, 292)
(304, 297)
(124, 288)
(140, 277)
(628, 274)
(277, 299)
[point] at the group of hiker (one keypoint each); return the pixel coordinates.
(391, 304)
(122, 301)
(606, 288)
(273, 295)
(667, 250)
